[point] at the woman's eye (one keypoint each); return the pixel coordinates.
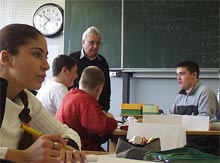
(37, 54)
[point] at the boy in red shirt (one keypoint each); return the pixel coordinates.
(81, 111)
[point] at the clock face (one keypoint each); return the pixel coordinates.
(48, 19)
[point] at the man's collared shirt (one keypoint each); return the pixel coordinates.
(82, 55)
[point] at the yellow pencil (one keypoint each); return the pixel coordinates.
(31, 130)
(35, 132)
(150, 140)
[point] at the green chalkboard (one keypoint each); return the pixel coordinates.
(105, 15)
(159, 34)
(156, 33)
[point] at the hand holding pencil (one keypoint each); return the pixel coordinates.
(31, 130)
(46, 142)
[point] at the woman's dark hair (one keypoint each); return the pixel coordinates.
(15, 35)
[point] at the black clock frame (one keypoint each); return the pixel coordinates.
(62, 12)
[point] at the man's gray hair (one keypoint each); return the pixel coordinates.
(92, 30)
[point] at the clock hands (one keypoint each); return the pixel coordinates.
(48, 19)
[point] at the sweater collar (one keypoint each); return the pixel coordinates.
(82, 55)
(183, 91)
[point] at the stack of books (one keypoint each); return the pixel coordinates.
(150, 109)
(131, 109)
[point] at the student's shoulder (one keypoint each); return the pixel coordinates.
(205, 89)
(78, 97)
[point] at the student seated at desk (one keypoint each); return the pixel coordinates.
(23, 63)
(81, 110)
(64, 69)
(196, 99)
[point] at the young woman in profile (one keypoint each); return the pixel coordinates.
(23, 63)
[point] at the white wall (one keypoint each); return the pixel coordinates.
(22, 11)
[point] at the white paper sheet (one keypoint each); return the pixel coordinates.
(171, 136)
(113, 159)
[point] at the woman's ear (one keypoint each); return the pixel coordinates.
(5, 58)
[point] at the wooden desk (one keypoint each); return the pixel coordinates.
(122, 133)
(113, 141)
(210, 132)
(119, 132)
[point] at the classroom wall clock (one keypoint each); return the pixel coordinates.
(48, 19)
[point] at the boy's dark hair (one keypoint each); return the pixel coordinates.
(62, 61)
(191, 66)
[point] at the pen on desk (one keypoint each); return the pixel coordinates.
(150, 140)
(31, 130)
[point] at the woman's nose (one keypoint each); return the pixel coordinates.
(45, 65)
